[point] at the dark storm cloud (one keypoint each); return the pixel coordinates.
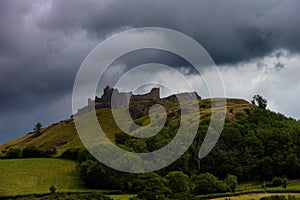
(42, 43)
(37, 68)
(231, 31)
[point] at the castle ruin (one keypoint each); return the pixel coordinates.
(122, 98)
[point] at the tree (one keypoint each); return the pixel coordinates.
(178, 181)
(52, 189)
(121, 138)
(284, 182)
(277, 181)
(71, 154)
(259, 101)
(150, 186)
(96, 175)
(149, 181)
(37, 129)
(179, 184)
(231, 182)
(207, 183)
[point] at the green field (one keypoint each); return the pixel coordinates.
(26, 176)
(35, 176)
(258, 196)
(254, 190)
(292, 185)
(122, 196)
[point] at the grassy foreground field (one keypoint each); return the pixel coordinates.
(258, 196)
(26, 176)
(292, 185)
(254, 190)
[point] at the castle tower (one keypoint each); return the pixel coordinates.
(155, 93)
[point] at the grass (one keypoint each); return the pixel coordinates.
(258, 196)
(122, 196)
(35, 176)
(253, 190)
(26, 176)
(293, 185)
(63, 134)
(60, 195)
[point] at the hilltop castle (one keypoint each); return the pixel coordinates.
(122, 98)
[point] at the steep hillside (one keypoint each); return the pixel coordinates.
(63, 135)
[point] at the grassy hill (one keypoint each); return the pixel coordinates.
(26, 176)
(63, 135)
(255, 145)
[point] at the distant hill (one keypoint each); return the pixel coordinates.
(63, 134)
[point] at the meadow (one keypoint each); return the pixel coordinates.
(36, 175)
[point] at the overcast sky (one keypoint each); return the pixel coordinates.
(256, 45)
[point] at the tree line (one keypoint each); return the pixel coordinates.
(260, 146)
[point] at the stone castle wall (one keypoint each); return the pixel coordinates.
(122, 98)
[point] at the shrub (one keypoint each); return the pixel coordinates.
(231, 182)
(84, 155)
(96, 175)
(13, 153)
(121, 138)
(33, 152)
(51, 152)
(277, 181)
(207, 183)
(71, 154)
(52, 189)
(178, 182)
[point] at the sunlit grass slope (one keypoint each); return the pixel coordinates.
(26, 176)
(63, 135)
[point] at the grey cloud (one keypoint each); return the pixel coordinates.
(279, 66)
(231, 31)
(37, 67)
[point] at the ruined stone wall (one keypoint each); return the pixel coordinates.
(122, 98)
(153, 94)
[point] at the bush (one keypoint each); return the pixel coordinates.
(71, 154)
(51, 152)
(277, 181)
(149, 195)
(231, 182)
(13, 153)
(207, 183)
(52, 189)
(96, 175)
(178, 182)
(121, 138)
(33, 152)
